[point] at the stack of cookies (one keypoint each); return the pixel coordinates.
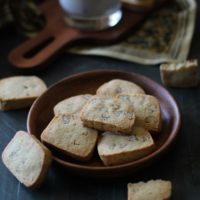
(116, 121)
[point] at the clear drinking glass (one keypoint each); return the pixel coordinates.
(91, 14)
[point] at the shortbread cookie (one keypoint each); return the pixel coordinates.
(108, 114)
(151, 190)
(146, 109)
(71, 105)
(27, 159)
(67, 134)
(182, 74)
(118, 86)
(115, 149)
(20, 91)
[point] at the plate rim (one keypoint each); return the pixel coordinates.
(148, 158)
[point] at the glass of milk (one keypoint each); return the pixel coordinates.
(91, 14)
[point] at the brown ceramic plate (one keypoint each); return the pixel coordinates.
(41, 113)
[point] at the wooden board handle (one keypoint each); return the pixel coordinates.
(37, 51)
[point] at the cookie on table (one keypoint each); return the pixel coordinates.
(20, 91)
(71, 105)
(180, 75)
(67, 134)
(27, 159)
(115, 149)
(108, 114)
(118, 86)
(147, 110)
(151, 190)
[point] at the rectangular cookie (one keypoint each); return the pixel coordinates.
(71, 105)
(180, 75)
(67, 134)
(115, 149)
(146, 109)
(118, 86)
(27, 159)
(151, 190)
(108, 114)
(20, 91)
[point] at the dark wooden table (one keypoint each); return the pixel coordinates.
(181, 165)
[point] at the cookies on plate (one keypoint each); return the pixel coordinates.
(119, 86)
(71, 105)
(20, 91)
(108, 114)
(67, 134)
(146, 109)
(123, 119)
(119, 149)
(27, 159)
(151, 190)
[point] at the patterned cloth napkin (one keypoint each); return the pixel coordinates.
(165, 36)
(23, 14)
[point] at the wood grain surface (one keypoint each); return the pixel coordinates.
(181, 165)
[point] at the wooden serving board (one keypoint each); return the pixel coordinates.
(37, 52)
